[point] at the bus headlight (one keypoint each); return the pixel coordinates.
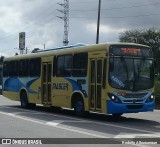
(150, 98)
(114, 98)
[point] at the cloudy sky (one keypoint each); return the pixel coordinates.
(38, 18)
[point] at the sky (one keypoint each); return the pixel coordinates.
(38, 19)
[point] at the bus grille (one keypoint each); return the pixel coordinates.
(134, 106)
(131, 101)
(135, 95)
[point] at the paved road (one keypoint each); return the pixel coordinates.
(41, 122)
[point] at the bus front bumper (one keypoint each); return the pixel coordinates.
(114, 108)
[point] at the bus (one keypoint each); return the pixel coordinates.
(108, 78)
(1, 77)
(157, 82)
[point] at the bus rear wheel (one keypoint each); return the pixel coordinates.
(24, 100)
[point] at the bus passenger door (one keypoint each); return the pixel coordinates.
(95, 84)
(46, 82)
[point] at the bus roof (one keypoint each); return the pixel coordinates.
(70, 49)
(63, 47)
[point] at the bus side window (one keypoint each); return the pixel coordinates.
(5, 69)
(80, 62)
(24, 68)
(13, 69)
(35, 67)
(64, 65)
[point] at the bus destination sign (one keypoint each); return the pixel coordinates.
(130, 50)
(123, 50)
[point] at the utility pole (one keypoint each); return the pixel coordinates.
(65, 11)
(98, 21)
(22, 42)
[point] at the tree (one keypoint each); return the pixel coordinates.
(1, 59)
(150, 37)
(131, 36)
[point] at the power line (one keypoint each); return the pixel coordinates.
(31, 27)
(91, 1)
(125, 7)
(142, 15)
(51, 6)
(25, 27)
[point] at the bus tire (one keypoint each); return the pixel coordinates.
(117, 115)
(31, 105)
(79, 107)
(24, 100)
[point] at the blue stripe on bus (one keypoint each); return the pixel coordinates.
(14, 85)
(76, 86)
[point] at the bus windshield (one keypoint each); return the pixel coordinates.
(131, 73)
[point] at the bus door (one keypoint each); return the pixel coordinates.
(46, 82)
(96, 83)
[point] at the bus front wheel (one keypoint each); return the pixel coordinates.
(117, 115)
(24, 101)
(79, 107)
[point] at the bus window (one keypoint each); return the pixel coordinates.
(35, 67)
(13, 69)
(64, 65)
(23, 68)
(80, 62)
(6, 69)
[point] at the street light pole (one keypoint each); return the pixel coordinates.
(98, 21)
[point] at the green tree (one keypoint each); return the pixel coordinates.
(134, 36)
(150, 37)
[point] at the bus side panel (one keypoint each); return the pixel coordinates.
(63, 88)
(34, 93)
(61, 92)
(12, 87)
(103, 102)
(11, 95)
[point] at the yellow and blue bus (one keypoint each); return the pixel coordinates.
(1, 77)
(109, 78)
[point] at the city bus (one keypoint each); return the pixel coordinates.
(157, 83)
(109, 78)
(1, 77)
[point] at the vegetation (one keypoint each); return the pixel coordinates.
(150, 37)
(1, 59)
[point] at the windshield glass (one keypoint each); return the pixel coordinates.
(0, 76)
(131, 73)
